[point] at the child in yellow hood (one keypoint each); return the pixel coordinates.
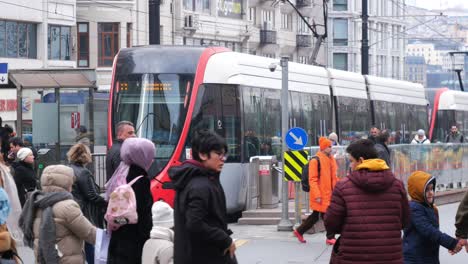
(422, 237)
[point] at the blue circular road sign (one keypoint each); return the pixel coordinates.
(296, 138)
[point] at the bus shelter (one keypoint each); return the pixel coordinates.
(55, 122)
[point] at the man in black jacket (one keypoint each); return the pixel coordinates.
(381, 145)
(201, 233)
(124, 130)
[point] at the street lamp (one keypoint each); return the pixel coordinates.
(284, 224)
(458, 61)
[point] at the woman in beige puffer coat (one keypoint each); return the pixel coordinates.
(71, 227)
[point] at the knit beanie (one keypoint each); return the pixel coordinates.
(324, 143)
(163, 214)
(333, 136)
(23, 153)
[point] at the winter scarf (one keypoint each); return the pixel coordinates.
(47, 253)
(159, 232)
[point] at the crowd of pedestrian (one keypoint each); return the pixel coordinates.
(60, 214)
(352, 207)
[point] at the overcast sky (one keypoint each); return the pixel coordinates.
(437, 4)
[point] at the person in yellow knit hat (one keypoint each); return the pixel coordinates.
(322, 180)
(422, 237)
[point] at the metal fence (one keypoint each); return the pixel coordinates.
(447, 162)
(98, 168)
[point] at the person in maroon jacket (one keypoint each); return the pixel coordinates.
(369, 208)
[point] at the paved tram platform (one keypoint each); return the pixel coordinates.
(264, 245)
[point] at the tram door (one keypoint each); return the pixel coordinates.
(218, 110)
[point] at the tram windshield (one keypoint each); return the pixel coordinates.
(157, 105)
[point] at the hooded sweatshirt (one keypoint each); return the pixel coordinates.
(159, 249)
(424, 140)
(422, 237)
(369, 208)
(201, 233)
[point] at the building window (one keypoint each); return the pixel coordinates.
(340, 5)
(252, 11)
(59, 42)
(108, 43)
(286, 21)
(18, 40)
(340, 32)
(340, 61)
(197, 5)
(129, 34)
(268, 20)
(269, 55)
(83, 44)
(303, 59)
(302, 26)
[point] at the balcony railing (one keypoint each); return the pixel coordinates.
(303, 3)
(303, 41)
(267, 36)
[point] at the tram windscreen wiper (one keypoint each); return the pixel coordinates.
(144, 119)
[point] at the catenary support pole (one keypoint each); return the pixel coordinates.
(285, 224)
(365, 40)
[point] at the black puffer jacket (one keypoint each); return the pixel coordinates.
(201, 233)
(113, 158)
(86, 194)
(126, 244)
(25, 179)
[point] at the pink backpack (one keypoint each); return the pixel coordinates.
(121, 209)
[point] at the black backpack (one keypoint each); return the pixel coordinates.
(305, 174)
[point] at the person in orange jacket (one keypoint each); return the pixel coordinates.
(322, 180)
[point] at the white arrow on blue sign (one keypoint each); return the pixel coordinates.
(3, 73)
(296, 138)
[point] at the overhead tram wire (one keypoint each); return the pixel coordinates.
(434, 30)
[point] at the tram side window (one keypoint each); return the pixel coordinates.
(381, 115)
(204, 114)
(461, 118)
(354, 116)
(295, 113)
(253, 127)
(262, 122)
(445, 118)
(271, 108)
(310, 121)
(217, 109)
(231, 120)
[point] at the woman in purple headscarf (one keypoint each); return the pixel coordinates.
(126, 244)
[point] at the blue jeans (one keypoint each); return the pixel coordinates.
(89, 251)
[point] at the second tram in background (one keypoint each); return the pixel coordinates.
(449, 108)
(170, 91)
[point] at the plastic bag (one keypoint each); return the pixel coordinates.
(102, 246)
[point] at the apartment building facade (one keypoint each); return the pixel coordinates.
(416, 69)
(386, 36)
(266, 28)
(33, 35)
(105, 26)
